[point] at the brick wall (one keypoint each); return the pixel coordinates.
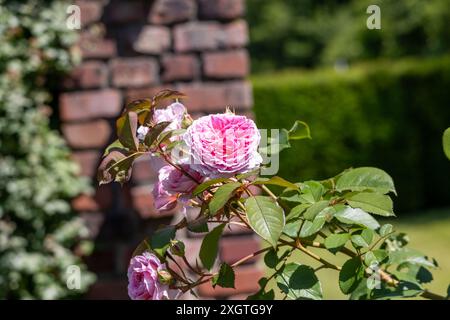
(132, 49)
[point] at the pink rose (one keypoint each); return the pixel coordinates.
(223, 145)
(175, 181)
(162, 199)
(173, 113)
(143, 279)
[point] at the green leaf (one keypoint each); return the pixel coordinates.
(372, 202)
(140, 107)
(276, 181)
(358, 217)
(375, 257)
(160, 240)
(446, 142)
(312, 191)
(116, 145)
(334, 242)
(262, 295)
(311, 227)
(299, 282)
(116, 166)
(351, 274)
(166, 94)
(225, 277)
(265, 217)
(292, 228)
(411, 256)
(205, 185)
(386, 229)
(364, 239)
(210, 247)
(164, 137)
(297, 211)
(361, 292)
(222, 196)
(271, 259)
(300, 130)
(403, 289)
(366, 178)
(127, 133)
(315, 209)
(154, 132)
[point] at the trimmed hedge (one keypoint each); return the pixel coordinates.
(385, 114)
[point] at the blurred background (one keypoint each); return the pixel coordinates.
(372, 97)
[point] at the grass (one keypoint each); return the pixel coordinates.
(429, 232)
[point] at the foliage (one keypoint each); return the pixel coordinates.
(335, 215)
(38, 231)
(308, 33)
(388, 115)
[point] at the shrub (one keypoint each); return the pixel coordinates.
(309, 32)
(389, 115)
(38, 231)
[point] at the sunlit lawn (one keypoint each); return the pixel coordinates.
(429, 232)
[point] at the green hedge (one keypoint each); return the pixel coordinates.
(385, 114)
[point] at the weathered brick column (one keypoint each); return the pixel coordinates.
(132, 49)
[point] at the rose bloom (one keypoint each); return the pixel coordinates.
(223, 145)
(175, 181)
(173, 113)
(143, 280)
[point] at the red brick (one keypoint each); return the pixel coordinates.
(91, 11)
(143, 170)
(143, 203)
(170, 11)
(179, 67)
(85, 105)
(85, 202)
(246, 281)
(221, 9)
(94, 134)
(90, 74)
(142, 93)
(93, 44)
(233, 249)
(231, 64)
(122, 12)
(236, 34)
(199, 36)
(94, 222)
(153, 40)
(213, 97)
(134, 72)
(114, 289)
(88, 161)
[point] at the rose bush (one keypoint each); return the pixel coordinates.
(213, 164)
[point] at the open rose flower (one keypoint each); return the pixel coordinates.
(176, 181)
(223, 145)
(144, 282)
(174, 113)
